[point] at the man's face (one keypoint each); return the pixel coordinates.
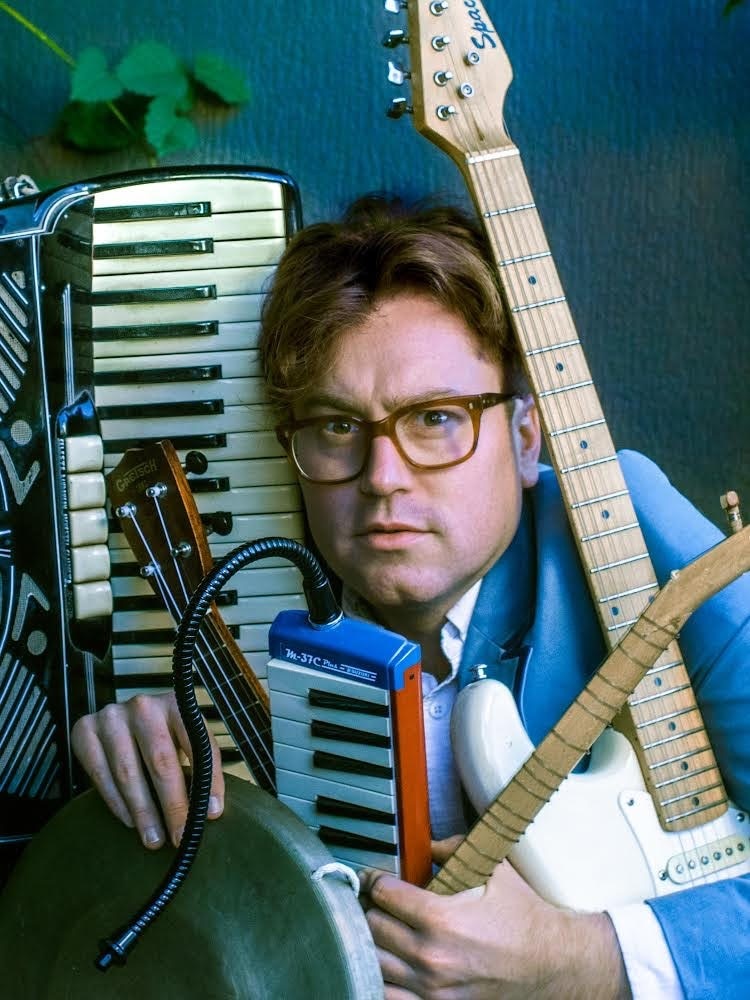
(412, 541)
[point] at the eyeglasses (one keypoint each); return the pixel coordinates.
(435, 434)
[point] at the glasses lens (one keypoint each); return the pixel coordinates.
(436, 435)
(330, 450)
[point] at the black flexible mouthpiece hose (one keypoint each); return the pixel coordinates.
(324, 612)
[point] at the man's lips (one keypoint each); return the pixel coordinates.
(390, 534)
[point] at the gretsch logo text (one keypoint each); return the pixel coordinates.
(484, 38)
(122, 482)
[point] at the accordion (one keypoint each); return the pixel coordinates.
(129, 310)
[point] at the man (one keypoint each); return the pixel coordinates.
(405, 412)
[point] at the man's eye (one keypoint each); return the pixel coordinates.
(339, 427)
(433, 418)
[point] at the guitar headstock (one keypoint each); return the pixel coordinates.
(151, 496)
(459, 74)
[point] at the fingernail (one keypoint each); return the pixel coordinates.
(177, 836)
(214, 805)
(151, 837)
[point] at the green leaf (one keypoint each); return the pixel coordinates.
(154, 70)
(166, 130)
(91, 79)
(92, 127)
(217, 76)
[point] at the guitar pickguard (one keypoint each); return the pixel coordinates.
(597, 843)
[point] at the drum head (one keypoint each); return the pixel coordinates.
(247, 923)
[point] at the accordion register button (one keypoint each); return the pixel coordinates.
(88, 527)
(92, 600)
(85, 490)
(89, 563)
(84, 453)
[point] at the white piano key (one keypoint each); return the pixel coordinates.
(231, 392)
(307, 787)
(223, 253)
(92, 600)
(89, 563)
(227, 280)
(248, 610)
(88, 527)
(231, 336)
(297, 734)
(294, 679)
(130, 666)
(241, 447)
(299, 759)
(256, 580)
(244, 528)
(85, 490)
(310, 816)
(289, 706)
(235, 419)
(222, 226)
(233, 364)
(252, 638)
(224, 309)
(225, 194)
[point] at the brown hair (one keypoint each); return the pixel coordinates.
(332, 275)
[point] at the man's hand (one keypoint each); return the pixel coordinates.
(500, 941)
(122, 746)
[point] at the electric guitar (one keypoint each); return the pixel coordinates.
(459, 75)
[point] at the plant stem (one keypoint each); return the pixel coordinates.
(38, 33)
(66, 58)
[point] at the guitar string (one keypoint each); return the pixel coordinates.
(521, 238)
(228, 684)
(173, 607)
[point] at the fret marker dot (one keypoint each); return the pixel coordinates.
(615, 611)
(560, 366)
(605, 515)
(584, 445)
(657, 681)
(532, 279)
(685, 766)
(672, 726)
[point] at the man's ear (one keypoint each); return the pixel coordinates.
(527, 439)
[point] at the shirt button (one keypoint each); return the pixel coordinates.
(437, 710)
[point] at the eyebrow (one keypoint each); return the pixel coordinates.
(343, 405)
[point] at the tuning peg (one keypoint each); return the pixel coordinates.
(730, 503)
(395, 37)
(399, 107)
(196, 461)
(395, 6)
(397, 73)
(438, 7)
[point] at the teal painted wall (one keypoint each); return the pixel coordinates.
(632, 117)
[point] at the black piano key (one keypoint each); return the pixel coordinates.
(140, 296)
(350, 765)
(153, 602)
(352, 810)
(144, 331)
(345, 703)
(211, 484)
(345, 838)
(331, 731)
(139, 213)
(174, 408)
(182, 442)
(161, 376)
(144, 248)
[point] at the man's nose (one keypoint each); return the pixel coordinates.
(386, 470)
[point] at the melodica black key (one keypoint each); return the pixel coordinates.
(348, 740)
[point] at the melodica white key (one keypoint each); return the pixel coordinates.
(348, 740)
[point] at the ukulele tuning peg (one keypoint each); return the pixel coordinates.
(196, 461)
(395, 6)
(399, 107)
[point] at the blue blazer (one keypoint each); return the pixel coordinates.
(546, 656)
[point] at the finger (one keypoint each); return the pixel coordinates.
(154, 737)
(92, 758)
(443, 849)
(216, 798)
(400, 899)
(124, 760)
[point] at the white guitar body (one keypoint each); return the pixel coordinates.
(597, 843)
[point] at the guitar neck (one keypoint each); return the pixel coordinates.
(662, 718)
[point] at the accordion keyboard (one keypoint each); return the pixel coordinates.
(167, 279)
